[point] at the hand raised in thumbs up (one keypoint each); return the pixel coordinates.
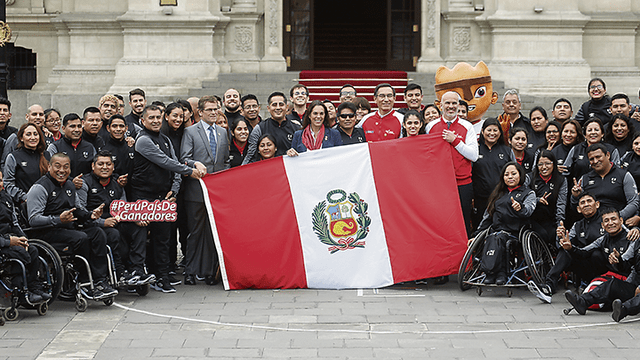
(515, 205)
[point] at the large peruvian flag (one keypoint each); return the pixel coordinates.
(355, 216)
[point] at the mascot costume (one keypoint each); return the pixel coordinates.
(472, 83)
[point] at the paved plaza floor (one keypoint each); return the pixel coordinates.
(400, 322)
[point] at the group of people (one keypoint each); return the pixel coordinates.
(553, 172)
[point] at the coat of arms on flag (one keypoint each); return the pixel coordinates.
(343, 231)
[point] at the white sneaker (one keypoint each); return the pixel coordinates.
(543, 292)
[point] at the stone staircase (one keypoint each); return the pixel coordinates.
(262, 85)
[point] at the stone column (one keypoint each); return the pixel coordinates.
(242, 42)
(273, 61)
(167, 50)
(430, 58)
(537, 48)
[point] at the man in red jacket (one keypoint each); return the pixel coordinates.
(462, 137)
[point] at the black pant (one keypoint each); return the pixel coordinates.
(133, 245)
(612, 290)
(29, 257)
(91, 243)
(202, 258)
(585, 268)
(465, 192)
(479, 206)
(159, 240)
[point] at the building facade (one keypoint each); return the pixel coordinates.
(547, 48)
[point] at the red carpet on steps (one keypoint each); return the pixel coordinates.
(326, 84)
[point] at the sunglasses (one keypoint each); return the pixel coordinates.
(347, 116)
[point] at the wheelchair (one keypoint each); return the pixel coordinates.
(72, 285)
(50, 277)
(528, 257)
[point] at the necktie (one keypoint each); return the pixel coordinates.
(212, 142)
(448, 125)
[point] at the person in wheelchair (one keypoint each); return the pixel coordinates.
(52, 211)
(612, 251)
(14, 245)
(622, 295)
(509, 207)
(551, 193)
(126, 239)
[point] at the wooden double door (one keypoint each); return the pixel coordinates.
(351, 35)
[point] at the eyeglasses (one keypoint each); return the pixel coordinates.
(349, 116)
(388, 96)
(347, 93)
(300, 93)
(53, 121)
(594, 87)
(545, 163)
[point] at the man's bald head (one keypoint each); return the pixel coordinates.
(35, 115)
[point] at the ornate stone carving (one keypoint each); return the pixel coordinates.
(431, 23)
(273, 23)
(462, 39)
(9, 2)
(243, 39)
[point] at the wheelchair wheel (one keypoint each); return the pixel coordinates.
(81, 304)
(42, 309)
(470, 266)
(108, 301)
(537, 256)
(142, 290)
(11, 314)
(54, 267)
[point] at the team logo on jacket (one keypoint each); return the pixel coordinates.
(613, 180)
(24, 164)
(342, 231)
(501, 156)
(69, 193)
(131, 156)
(112, 193)
(85, 154)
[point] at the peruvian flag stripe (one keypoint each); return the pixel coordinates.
(331, 176)
(254, 227)
(420, 207)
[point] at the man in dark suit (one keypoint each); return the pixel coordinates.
(207, 143)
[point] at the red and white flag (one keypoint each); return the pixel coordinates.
(356, 216)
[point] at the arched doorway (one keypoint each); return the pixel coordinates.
(351, 35)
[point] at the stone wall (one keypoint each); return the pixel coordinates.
(86, 48)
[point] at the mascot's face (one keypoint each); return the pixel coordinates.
(473, 84)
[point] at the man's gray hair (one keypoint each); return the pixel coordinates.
(511, 92)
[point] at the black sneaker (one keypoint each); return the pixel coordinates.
(501, 279)
(542, 292)
(164, 286)
(576, 301)
(619, 311)
(106, 289)
(489, 279)
(143, 277)
(91, 294)
(173, 281)
(128, 278)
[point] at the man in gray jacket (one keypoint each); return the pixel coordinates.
(157, 176)
(207, 143)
